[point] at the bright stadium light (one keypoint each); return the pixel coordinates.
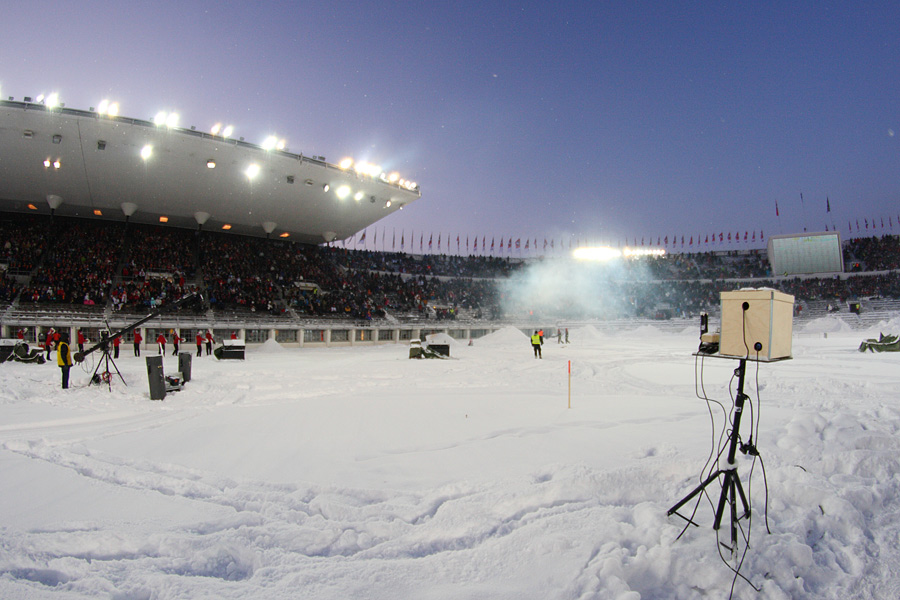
(281, 144)
(252, 171)
(113, 109)
(269, 142)
(393, 177)
(600, 254)
(103, 106)
(146, 151)
(346, 163)
(229, 129)
(637, 252)
(172, 120)
(342, 192)
(160, 118)
(358, 196)
(53, 100)
(216, 129)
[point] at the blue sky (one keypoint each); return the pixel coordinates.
(597, 120)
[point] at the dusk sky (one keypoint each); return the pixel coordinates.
(600, 121)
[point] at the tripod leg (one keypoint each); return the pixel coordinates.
(723, 498)
(734, 518)
(696, 491)
(740, 489)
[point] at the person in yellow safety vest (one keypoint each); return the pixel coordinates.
(536, 344)
(64, 359)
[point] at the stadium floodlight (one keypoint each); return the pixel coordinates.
(252, 171)
(393, 177)
(56, 164)
(103, 106)
(146, 151)
(388, 204)
(600, 254)
(326, 187)
(343, 191)
(637, 252)
(269, 142)
(210, 164)
(53, 100)
(172, 120)
(39, 99)
(346, 163)
(358, 196)
(160, 118)
(216, 129)
(229, 129)
(113, 109)
(47, 163)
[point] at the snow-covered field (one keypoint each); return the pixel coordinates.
(358, 473)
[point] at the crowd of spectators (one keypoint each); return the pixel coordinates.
(79, 266)
(138, 268)
(872, 253)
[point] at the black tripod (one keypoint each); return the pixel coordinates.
(731, 484)
(106, 360)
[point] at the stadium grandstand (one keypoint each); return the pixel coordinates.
(96, 232)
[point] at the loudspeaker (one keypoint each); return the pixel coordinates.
(184, 365)
(756, 323)
(156, 377)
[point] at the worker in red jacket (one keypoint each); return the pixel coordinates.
(81, 340)
(161, 343)
(199, 344)
(175, 341)
(138, 338)
(116, 341)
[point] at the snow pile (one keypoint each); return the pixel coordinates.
(505, 337)
(827, 325)
(267, 347)
(335, 473)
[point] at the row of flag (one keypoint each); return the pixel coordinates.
(404, 242)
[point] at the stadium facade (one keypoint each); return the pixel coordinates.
(85, 163)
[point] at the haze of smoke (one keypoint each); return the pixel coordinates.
(571, 289)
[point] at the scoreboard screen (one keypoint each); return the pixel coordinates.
(805, 254)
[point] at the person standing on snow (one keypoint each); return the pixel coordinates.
(64, 359)
(536, 344)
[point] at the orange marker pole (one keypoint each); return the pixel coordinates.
(570, 384)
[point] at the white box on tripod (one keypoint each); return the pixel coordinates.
(751, 316)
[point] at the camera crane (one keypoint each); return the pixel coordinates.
(106, 338)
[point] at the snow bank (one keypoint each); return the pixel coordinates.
(508, 336)
(269, 346)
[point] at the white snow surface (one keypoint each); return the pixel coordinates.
(336, 473)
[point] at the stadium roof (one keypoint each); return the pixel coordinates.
(83, 163)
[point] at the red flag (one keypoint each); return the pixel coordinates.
(518, 243)
(509, 244)
(476, 243)
(430, 238)
(776, 208)
(691, 242)
(527, 242)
